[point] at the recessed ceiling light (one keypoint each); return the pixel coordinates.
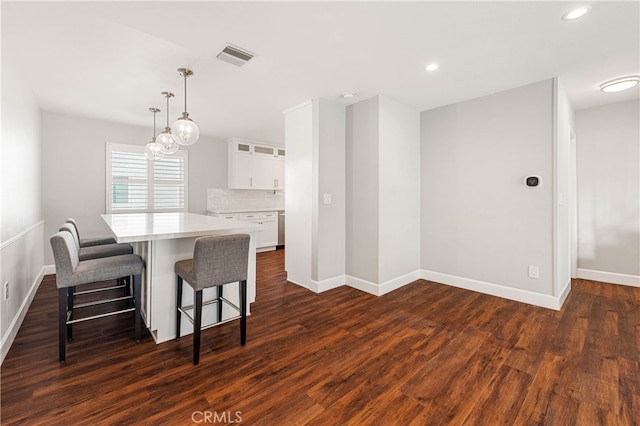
(432, 67)
(620, 84)
(576, 13)
(347, 95)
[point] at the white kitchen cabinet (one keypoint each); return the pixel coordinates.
(267, 236)
(254, 165)
(278, 170)
(262, 172)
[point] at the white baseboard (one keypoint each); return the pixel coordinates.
(609, 277)
(308, 287)
(362, 285)
(49, 269)
(12, 331)
(396, 283)
(382, 288)
(519, 295)
(328, 284)
(564, 293)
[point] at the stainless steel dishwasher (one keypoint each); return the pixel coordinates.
(280, 230)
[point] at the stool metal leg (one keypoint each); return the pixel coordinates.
(219, 290)
(243, 312)
(178, 305)
(137, 300)
(62, 323)
(197, 326)
(70, 291)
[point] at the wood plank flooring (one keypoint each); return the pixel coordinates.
(425, 354)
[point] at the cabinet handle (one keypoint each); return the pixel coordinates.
(275, 183)
(250, 181)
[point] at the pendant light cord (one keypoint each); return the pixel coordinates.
(167, 126)
(185, 92)
(154, 124)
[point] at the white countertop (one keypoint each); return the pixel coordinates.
(131, 227)
(243, 211)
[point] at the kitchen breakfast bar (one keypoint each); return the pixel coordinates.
(162, 239)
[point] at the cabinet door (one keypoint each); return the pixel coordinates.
(269, 233)
(278, 172)
(241, 169)
(262, 172)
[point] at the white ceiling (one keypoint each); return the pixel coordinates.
(112, 60)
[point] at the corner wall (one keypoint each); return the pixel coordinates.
(383, 195)
(481, 226)
(298, 194)
(362, 190)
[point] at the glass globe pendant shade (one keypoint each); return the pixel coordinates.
(185, 131)
(153, 151)
(167, 142)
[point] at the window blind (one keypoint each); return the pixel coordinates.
(137, 184)
(168, 188)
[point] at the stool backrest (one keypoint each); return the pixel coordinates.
(73, 222)
(65, 256)
(220, 259)
(68, 227)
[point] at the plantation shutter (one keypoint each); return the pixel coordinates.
(137, 184)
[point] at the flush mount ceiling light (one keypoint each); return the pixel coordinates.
(576, 13)
(347, 95)
(432, 67)
(165, 139)
(620, 84)
(153, 150)
(184, 130)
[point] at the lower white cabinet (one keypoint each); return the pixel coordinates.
(267, 236)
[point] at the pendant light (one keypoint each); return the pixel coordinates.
(184, 130)
(153, 150)
(165, 139)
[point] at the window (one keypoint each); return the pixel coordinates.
(136, 184)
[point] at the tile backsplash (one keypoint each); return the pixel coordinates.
(228, 200)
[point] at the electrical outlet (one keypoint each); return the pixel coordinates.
(534, 272)
(6, 290)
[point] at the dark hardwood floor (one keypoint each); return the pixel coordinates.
(426, 354)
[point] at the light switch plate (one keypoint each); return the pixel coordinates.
(326, 198)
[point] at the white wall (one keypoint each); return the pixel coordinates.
(362, 190)
(73, 170)
(563, 167)
(383, 195)
(298, 197)
(329, 241)
(399, 190)
(21, 247)
(481, 226)
(608, 151)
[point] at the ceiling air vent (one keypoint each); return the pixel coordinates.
(235, 55)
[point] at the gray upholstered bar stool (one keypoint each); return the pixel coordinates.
(96, 251)
(217, 260)
(71, 272)
(92, 241)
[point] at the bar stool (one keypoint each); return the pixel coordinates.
(72, 272)
(217, 260)
(95, 251)
(92, 241)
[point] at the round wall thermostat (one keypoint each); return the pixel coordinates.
(533, 181)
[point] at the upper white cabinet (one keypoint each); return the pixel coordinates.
(254, 165)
